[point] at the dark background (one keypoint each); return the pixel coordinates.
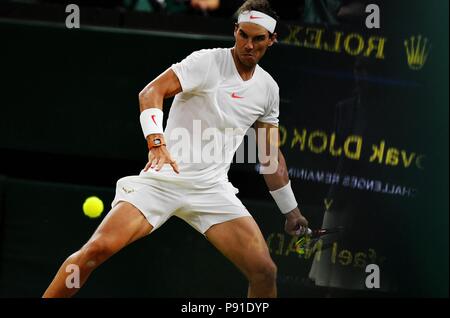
(69, 129)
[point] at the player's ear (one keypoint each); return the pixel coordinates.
(273, 39)
(236, 27)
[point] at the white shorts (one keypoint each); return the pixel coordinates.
(158, 200)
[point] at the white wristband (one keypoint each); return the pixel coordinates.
(151, 121)
(285, 199)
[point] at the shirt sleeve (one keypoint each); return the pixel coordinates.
(273, 109)
(195, 71)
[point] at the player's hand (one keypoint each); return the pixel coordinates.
(296, 223)
(158, 157)
(205, 4)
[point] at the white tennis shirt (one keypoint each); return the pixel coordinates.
(210, 117)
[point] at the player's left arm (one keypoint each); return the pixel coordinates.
(275, 173)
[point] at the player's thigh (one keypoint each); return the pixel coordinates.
(242, 242)
(123, 225)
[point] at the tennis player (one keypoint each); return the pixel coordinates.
(214, 89)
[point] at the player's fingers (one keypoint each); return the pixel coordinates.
(161, 163)
(147, 166)
(151, 156)
(304, 223)
(154, 162)
(174, 165)
(297, 229)
(289, 230)
(300, 230)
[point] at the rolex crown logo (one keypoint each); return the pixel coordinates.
(417, 49)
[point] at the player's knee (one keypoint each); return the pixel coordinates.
(270, 271)
(264, 272)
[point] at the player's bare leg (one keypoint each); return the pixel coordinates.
(241, 241)
(123, 225)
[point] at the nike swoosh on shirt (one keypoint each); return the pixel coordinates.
(234, 95)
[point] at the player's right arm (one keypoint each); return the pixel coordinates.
(164, 86)
(151, 100)
(197, 73)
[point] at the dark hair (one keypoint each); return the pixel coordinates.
(258, 5)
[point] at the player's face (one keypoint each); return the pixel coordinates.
(252, 41)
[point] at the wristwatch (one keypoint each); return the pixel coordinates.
(155, 141)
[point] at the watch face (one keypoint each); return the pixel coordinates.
(157, 141)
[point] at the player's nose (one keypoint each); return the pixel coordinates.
(249, 45)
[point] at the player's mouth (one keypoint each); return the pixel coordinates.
(248, 56)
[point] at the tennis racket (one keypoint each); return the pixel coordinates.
(309, 236)
(321, 232)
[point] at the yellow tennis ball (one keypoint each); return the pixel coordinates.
(93, 207)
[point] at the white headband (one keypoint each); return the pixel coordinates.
(260, 18)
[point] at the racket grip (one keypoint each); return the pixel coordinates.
(304, 231)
